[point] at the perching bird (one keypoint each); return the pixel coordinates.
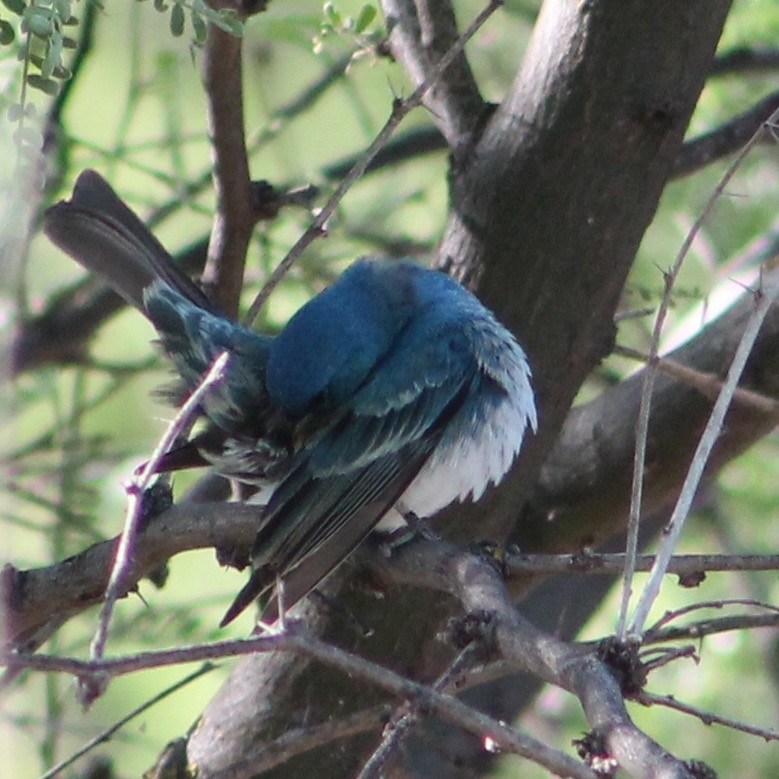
(393, 388)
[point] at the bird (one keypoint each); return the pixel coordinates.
(392, 391)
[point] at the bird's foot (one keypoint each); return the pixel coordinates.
(417, 524)
(415, 528)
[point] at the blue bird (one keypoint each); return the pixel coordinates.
(393, 390)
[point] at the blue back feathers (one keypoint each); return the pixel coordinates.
(328, 348)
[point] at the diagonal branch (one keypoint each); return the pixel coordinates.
(420, 33)
(583, 490)
(478, 585)
(726, 139)
(400, 109)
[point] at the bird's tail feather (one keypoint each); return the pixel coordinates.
(99, 231)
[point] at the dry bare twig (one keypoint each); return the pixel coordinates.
(505, 737)
(117, 583)
(707, 717)
(642, 425)
(400, 109)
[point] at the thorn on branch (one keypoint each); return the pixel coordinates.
(700, 770)
(622, 659)
(692, 579)
(591, 748)
(477, 628)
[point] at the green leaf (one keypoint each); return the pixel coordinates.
(226, 20)
(177, 21)
(200, 28)
(332, 13)
(37, 20)
(47, 85)
(160, 5)
(6, 32)
(15, 6)
(364, 18)
(63, 9)
(53, 55)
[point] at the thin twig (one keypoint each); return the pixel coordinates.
(294, 741)
(135, 490)
(673, 529)
(673, 614)
(657, 657)
(642, 424)
(109, 732)
(613, 563)
(707, 717)
(708, 383)
(726, 139)
(505, 738)
(710, 627)
(400, 109)
(406, 717)
(419, 31)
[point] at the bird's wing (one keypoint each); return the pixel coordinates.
(349, 476)
(193, 338)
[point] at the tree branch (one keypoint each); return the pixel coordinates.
(596, 443)
(35, 602)
(400, 109)
(571, 108)
(234, 218)
(707, 717)
(745, 60)
(724, 140)
(420, 33)
(477, 584)
(581, 497)
(690, 568)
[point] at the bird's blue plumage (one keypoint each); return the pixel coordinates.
(194, 338)
(329, 347)
(393, 387)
